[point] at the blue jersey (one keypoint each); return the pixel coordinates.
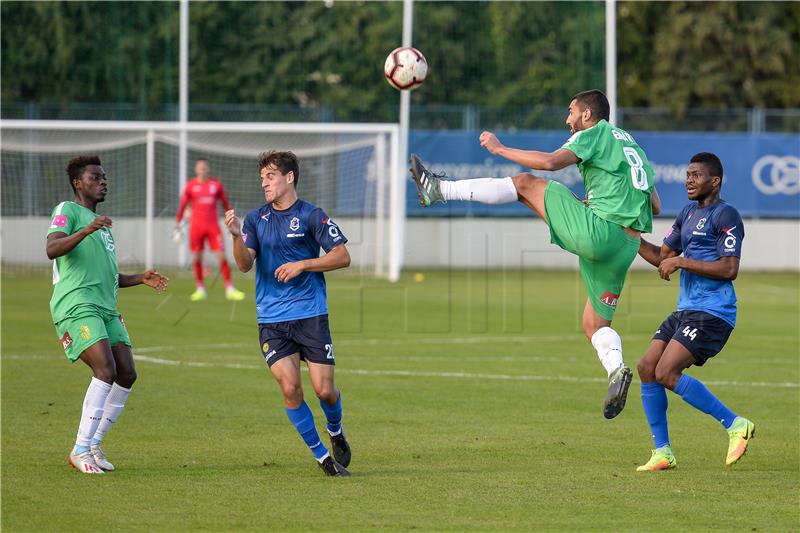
(280, 237)
(707, 234)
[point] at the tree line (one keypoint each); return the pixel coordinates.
(674, 55)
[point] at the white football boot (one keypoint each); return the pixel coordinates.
(84, 462)
(100, 458)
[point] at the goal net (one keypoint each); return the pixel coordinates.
(350, 170)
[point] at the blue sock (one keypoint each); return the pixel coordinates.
(80, 449)
(698, 396)
(334, 414)
(654, 401)
(303, 421)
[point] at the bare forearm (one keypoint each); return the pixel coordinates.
(58, 246)
(725, 268)
(333, 260)
(241, 254)
(655, 201)
(527, 158)
(650, 252)
(130, 280)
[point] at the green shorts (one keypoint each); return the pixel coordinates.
(88, 326)
(605, 250)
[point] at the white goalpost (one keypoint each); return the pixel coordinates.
(352, 171)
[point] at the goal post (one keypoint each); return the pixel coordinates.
(352, 171)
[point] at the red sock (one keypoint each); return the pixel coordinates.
(198, 273)
(226, 272)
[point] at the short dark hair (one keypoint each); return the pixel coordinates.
(200, 159)
(711, 161)
(596, 101)
(283, 161)
(77, 164)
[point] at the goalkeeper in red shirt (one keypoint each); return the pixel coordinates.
(203, 192)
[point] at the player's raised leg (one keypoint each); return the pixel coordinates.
(330, 399)
(669, 372)
(654, 402)
(434, 187)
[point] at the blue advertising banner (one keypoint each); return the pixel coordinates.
(762, 172)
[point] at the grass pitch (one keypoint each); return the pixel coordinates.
(471, 400)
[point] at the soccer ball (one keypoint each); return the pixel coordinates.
(405, 68)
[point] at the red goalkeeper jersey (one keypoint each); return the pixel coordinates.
(203, 196)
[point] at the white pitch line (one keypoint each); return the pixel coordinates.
(462, 375)
(415, 373)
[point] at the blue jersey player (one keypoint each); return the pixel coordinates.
(283, 239)
(709, 233)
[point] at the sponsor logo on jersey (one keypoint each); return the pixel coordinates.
(333, 229)
(59, 221)
(293, 235)
(730, 240)
(108, 240)
(294, 225)
(701, 223)
(66, 340)
(85, 332)
(609, 298)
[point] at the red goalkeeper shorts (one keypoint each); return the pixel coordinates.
(199, 233)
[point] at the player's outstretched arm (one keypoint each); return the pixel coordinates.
(244, 256)
(59, 243)
(151, 278)
(534, 159)
(337, 258)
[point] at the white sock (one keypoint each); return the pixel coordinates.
(609, 348)
(92, 413)
(484, 190)
(115, 401)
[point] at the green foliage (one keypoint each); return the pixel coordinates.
(497, 55)
(89, 51)
(709, 54)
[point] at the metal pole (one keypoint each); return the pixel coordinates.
(611, 58)
(150, 195)
(396, 259)
(380, 205)
(183, 109)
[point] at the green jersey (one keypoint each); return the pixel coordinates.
(88, 274)
(616, 174)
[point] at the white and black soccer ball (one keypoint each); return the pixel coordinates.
(405, 68)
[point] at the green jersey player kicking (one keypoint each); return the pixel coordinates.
(84, 307)
(603, 230)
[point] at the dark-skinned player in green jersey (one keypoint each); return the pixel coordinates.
(602, 230)
(86, 280)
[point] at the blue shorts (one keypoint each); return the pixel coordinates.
(703, 334)
(310, 337)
